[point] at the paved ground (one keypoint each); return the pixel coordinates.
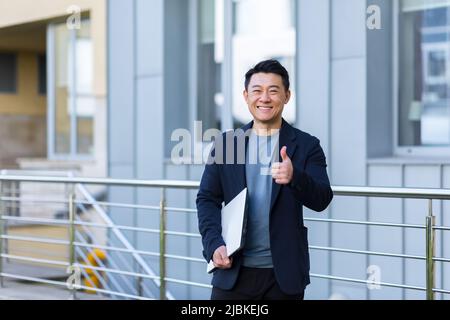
(15, 289)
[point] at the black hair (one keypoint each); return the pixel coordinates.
(268, 66)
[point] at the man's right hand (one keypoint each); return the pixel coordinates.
(220, 258)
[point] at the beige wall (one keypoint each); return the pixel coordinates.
(26, 100)
(13, 13)
(23, 26)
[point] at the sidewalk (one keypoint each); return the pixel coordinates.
(16, 289)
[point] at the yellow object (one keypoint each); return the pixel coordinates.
(91, 282)
(92, 259)
(96, 253)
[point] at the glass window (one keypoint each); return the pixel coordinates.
(8, 71)
(262, 29)
(42, 74)
(63, 69)
(85, 102)
(73, 82)
(424, 75)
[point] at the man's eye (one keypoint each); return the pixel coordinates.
(256, 91)
(273, 91)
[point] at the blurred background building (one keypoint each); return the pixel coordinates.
(103, 99)
(53, 85)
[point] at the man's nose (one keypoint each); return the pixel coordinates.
(265, 96)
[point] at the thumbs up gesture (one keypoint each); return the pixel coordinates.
(282, 171)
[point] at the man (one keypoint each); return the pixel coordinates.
(274, 263)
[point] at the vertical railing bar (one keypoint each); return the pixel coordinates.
(162, 247)
(72, 235)
(140, 291)
(1, 232)
(430, 247)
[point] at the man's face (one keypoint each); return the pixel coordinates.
(266, 97)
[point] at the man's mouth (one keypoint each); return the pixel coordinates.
(265, 108)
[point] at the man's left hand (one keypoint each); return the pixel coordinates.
(282, 171)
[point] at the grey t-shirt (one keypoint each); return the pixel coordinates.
(260, 154)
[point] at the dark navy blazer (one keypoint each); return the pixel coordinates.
(309, 187)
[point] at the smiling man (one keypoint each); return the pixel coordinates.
(274, 262)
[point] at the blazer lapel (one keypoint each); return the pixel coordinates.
(287, 138)
(239, 168)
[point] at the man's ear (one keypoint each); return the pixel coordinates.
(288, 96)
(245, 94)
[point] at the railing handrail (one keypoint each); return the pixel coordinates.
(182, 184)
(358, 191)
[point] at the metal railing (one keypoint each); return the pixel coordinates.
(162, 279)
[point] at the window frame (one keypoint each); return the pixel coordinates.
(73, 155)
(413, 151)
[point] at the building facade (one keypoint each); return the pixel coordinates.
(53, 85)
(370, 79)
(375, 95)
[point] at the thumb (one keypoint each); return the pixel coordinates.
(223, 254)
(283, 154)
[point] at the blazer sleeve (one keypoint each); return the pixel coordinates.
(310, 184)
(209, 206)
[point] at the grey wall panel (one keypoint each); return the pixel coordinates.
(121, 81)
(149, 130)
(348, 28)
(348, 142)
(422, 176)
(313, 72)
(348, 149)
(379, 84)
(149, 120)
(176, 62)
(386, 239)
(122, 194)
(149, 37)
(348, 168)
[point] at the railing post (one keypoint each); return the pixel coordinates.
(1, 232)
(162, 247)
(430, 246)
(72, 213)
